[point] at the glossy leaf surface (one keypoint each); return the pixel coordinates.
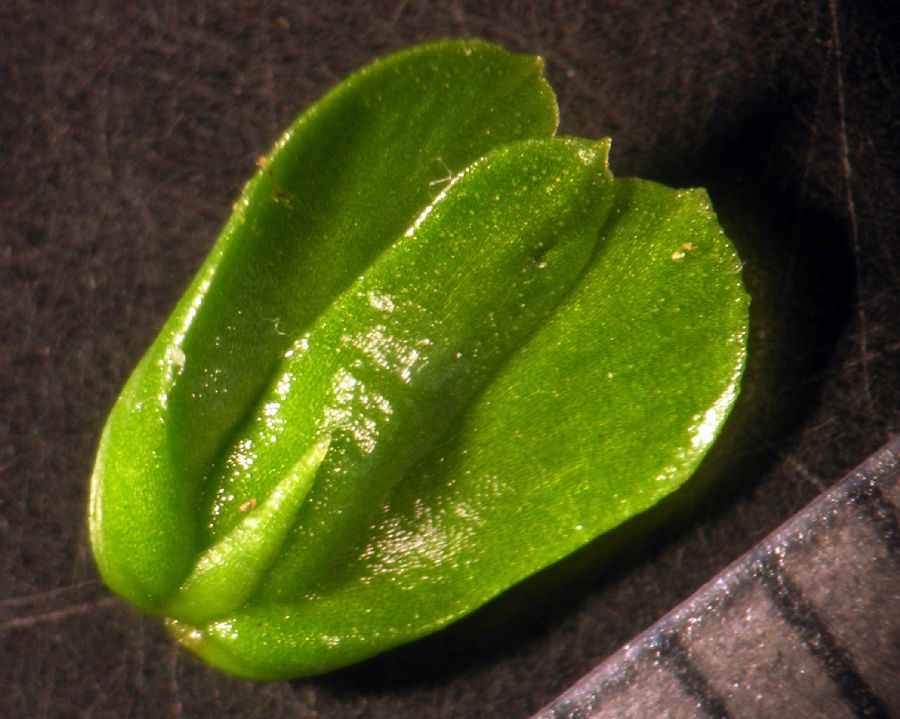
(389, 395)
(343, 183)
(607, 409)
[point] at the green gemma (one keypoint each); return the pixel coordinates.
(434, 350)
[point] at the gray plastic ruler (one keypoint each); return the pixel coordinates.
(806, 624)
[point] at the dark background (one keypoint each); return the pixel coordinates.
(127, 130)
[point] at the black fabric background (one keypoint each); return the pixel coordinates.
(126, 131)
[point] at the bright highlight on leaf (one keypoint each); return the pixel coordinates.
(434, 350)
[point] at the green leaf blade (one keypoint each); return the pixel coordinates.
(389, 368)
(343, 182)
(608, 408)
(227, 573)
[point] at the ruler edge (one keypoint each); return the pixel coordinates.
(614, 669)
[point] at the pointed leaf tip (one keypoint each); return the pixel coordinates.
(227, 573)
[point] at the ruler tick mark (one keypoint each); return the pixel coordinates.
(796, 610)
(690, 677)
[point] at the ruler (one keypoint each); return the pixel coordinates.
(806, 624)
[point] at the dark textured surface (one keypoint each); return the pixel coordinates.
(126, 131)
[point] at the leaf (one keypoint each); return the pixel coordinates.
(343, 183)
(227, 573)
(607, 409)
(434, 351)
(391, 365)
